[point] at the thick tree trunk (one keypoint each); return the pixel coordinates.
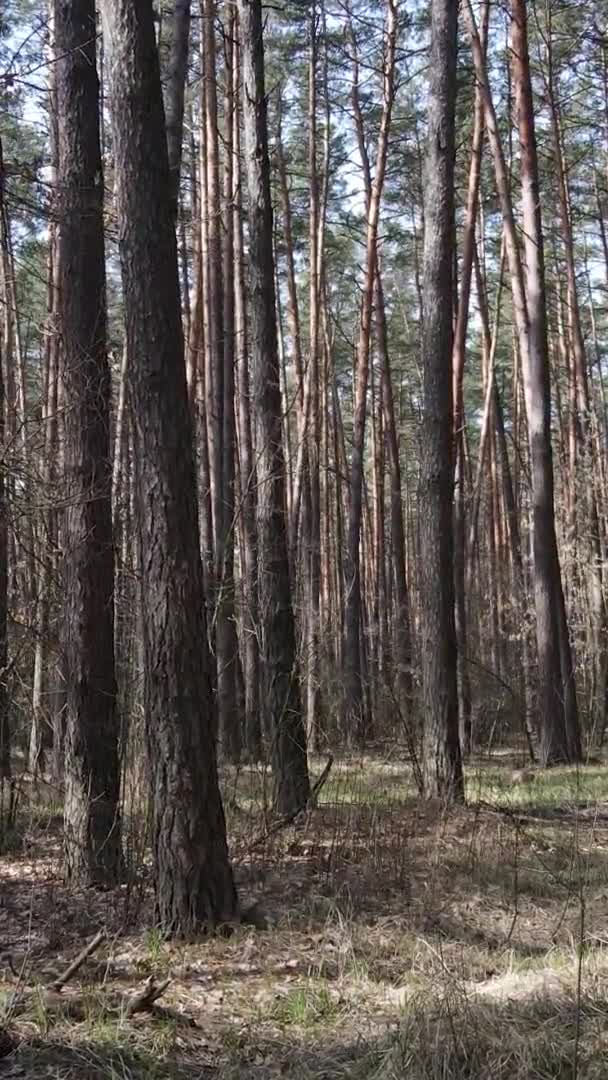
(442, 765)
(92, 773)
(281, 692)
(193, 879)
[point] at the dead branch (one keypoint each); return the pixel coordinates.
(144, 999)
(318, 784)
(88, 950)
(288, 819)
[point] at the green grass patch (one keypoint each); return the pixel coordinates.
(307, 1006)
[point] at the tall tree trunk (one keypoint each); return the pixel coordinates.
(442, 765)
(354, 697)
(312, 534)
(555, 693)
(5, 734)
(193, 879)
(41, 734)
(214, 339)
(403, 657)
(230, 691)
(278, 638)
(558, 690)
(460, 339)
(175, 87)
(247, 466)
(585, 482)
(92, 772)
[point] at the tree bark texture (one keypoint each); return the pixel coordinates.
(92, 771)
(442, 765)
(193, 878)
(280, 670)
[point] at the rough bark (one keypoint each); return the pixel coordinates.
(92, 773)
(193, 879)
(442, 765)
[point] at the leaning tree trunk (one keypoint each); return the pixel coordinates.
(92, 773)
(281, 693)
(442, 765)
(194, 884)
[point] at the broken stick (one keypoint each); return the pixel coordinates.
(88, 950)
(145, 998)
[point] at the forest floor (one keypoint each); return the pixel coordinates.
(400, 942)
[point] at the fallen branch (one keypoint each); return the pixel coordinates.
(71, 970)
(144, 999)
(73, 1004)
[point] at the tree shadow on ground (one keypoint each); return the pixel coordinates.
(513, 1032)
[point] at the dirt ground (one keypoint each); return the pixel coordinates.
(392, 940)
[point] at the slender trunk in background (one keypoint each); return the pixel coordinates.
(22, 574)
(355, 719)
(247, 468)
(193, 879)
(555, 700)
(460, 340)
(200, 362)
(312, 534)
(5, 734)
(402, 630)
(559, 741)
(214, 339)
(41, 734)
(442, 764)
(230, 690)
(584, 480)
(293, 312)
(175, 87)
(281, 689)
(92, 771)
